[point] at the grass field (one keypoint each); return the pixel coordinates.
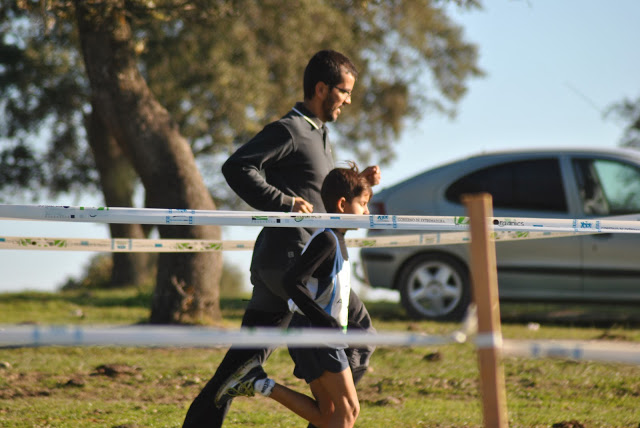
(406, 387)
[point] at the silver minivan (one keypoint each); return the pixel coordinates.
(433, 281)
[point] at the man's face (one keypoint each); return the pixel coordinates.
(337, 96)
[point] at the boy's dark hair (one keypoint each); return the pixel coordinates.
(343, 183)
(326, 66)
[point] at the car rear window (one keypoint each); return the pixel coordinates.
(607, 187)
(523, 185)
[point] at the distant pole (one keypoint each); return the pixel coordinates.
(484, 278)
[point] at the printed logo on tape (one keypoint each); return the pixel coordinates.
(179, 219)
(383, 220)
(508, 222)
(299, 218)
(461, 221)
(264, 219)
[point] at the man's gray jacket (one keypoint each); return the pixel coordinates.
(288, 158)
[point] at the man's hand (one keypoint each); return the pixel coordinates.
(301, 206)
(372, 175)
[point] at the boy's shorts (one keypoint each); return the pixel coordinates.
(312, 362)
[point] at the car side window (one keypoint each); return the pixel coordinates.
(524, 185)
(607, 187)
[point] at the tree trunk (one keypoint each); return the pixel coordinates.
(187, 287)
(117, 179)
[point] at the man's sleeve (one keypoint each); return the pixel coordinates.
(320, 249)
(243, 169)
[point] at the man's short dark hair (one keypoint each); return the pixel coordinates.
(326, 66)
(343, 183)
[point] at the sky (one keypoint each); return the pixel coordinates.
(553, 68)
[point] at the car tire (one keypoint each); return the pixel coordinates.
(435, 287)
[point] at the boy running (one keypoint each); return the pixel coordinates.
(319, 286)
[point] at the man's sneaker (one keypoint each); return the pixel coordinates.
(240, 384)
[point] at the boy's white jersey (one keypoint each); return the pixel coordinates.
(334, 299)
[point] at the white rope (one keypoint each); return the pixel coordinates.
(348, 221)
(177, 336)
(125, 245)
(488, 340)
(613, 352)
(204, 337)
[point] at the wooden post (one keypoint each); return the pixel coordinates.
(484, 278)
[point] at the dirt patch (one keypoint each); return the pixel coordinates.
(432, 356)
(587, 315)
(115, 382)
(568, 424)
(612, 336)
(115, 370)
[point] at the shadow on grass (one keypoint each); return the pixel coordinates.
(98, 298)
(572, 315)
(567, 315)
(126, 297)
(387, 311)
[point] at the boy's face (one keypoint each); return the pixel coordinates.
(358, 205)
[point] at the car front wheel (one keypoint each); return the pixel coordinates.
(435, 286)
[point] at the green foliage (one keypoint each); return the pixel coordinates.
(628, 111)
(96, 275)
(43, 97)
(223, 70)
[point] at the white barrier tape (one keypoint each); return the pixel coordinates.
(613, 352)
(175, 336)
(488, 340)
(233, 218)
(124, 245)
(121, 245)
(348, 221)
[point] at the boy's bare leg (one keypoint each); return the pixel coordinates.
(335, 405)
(341, 398)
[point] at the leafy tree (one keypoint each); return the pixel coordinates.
(223, 71)
(628, 110)
(187, 284)
(43, 95)
(162, 77)
(45, 91)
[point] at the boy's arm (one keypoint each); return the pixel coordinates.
(322, 248)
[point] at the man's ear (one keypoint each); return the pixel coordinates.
(341, 205)
(322, 90)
